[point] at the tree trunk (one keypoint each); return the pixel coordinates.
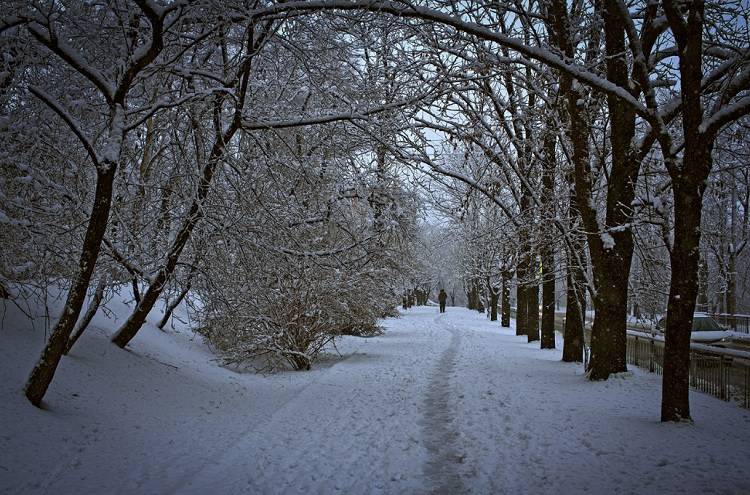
(505, 318)
(575, 311)
(188, 284)
(547, 251)
(135, 321)
(523, 273)
(522, 298)
(532, 310)
(136, 290)
(580, 179)
(548, 299)
(609, 333)
(195, 213)
(688, 185)
(494, 295)
(683, 291)
(137, 318)
(611, 245)
(42, 374)
(83, 323)
(171, 306)
(703, 304)
(470, 302)
(731, 281)
(478, 296)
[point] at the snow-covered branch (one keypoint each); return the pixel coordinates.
(71, 56)
(71, 122)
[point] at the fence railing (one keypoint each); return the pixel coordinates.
(723, 373)
(737, 323)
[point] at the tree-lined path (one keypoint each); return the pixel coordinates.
(219, 188)
(448, 403)
(452, 403)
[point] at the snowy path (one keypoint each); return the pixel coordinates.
(353, 429)
(446, 403)
(439, 428)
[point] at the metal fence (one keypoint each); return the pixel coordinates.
(737, 323)
(722, 373)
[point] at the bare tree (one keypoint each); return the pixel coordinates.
(51, 32)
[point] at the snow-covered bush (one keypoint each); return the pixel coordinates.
(281, 324)
(286, 311)
(290, 272)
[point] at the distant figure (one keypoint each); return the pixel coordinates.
(442, 297)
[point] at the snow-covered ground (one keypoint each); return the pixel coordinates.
(446, 403)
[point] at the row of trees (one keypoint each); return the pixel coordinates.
(618, 105)
(187, 150)
(585, 134)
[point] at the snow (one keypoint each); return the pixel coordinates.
(447, 403)
(608, 242)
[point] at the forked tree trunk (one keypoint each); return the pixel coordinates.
(106, 169)
(42, 374)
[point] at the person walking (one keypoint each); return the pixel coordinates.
(442, 298)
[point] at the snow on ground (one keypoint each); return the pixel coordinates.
(446, 403)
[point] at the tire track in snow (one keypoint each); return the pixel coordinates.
(439, 432)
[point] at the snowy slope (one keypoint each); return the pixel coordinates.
(121, 421)
(446, 403)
